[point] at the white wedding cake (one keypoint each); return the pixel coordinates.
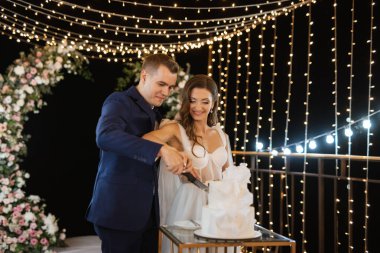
(229, 213)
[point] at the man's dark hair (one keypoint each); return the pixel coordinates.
(152, 63)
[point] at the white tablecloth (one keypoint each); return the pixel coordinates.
(81, 244)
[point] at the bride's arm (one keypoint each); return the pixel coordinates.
(164, 134)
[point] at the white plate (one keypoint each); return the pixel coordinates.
(187, 224)
(254, 234)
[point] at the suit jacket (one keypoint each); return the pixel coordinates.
(126, 182)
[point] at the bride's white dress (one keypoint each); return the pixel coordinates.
(181, 200)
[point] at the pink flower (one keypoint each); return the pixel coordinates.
(44, 241)
(21, 238)
(16, 117)
(29, 75)
(32, 233)
(33, 71)
(5, 89)
(33, 226)
(38, 54)
(33, 241)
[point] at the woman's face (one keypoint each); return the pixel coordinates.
(200, 104)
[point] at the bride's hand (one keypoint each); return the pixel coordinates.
(192, 170)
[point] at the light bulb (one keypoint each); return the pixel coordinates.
(367, 123)
(330, 139)
(348, 132)
(299, 148)
(312, 144)
(287, 151)
(259, 145)
(274, 152)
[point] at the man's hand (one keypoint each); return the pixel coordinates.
(176, 162)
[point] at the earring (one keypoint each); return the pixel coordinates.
(210, 111)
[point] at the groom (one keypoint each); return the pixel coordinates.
(124, 206)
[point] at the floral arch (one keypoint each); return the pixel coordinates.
(24, 224)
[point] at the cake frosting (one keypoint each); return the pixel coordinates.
(229, 213)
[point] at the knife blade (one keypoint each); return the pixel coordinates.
(196, 181)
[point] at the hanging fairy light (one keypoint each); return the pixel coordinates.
(287, 120)
(299, 148)
(330, 139)
(308, 84)
(110, 35)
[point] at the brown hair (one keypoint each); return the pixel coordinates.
(203, 82)
(152, 62)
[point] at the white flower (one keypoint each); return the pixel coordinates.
(38, 79)
(50, 224)
(20, 102)
(19, 70)
(29, 89)
(182, 84)
(29, 216)
(40, 65)
(34, 198)
(7, 100)
(57, 66)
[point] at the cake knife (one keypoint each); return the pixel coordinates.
(196, 181)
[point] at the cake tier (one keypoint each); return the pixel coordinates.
(224, 194)
(229, 222)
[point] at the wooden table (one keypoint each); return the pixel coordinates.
(185, 239)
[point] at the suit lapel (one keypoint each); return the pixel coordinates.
(140, 101)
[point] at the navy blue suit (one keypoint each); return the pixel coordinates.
(125, 189)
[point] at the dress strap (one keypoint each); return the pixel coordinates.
(184, 138)
(221, 133)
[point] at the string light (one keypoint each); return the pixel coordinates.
(236, 97)
(246, 96)
(308, 84)
(271, 122)
(367, 125)
(348, 132)
(335, 125)
(299, 148)
(101, 34)
(258, 121)
(330, 139)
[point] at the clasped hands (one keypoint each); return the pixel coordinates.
(177, 162)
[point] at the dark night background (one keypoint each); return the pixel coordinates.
(62, 155)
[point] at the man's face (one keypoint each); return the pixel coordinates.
(155, 86)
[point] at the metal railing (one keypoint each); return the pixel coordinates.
(331, 180)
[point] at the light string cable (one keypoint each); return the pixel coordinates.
(222, 84)
(369, 134)
(139, 29)
(271, 127)
(246, 96)
(172, 46)
(343, 127)
(348, 131)
(258, 144)
(305, 162)
(208, 8)
(236, 97)
(287, 120)
(335, 125)
(211, 59)
(184, 20)
(226, 80)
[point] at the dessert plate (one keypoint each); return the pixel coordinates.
(254, 234)
(187, 224)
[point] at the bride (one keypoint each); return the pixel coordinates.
(198, 134)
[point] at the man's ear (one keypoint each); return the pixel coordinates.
(143, 75)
